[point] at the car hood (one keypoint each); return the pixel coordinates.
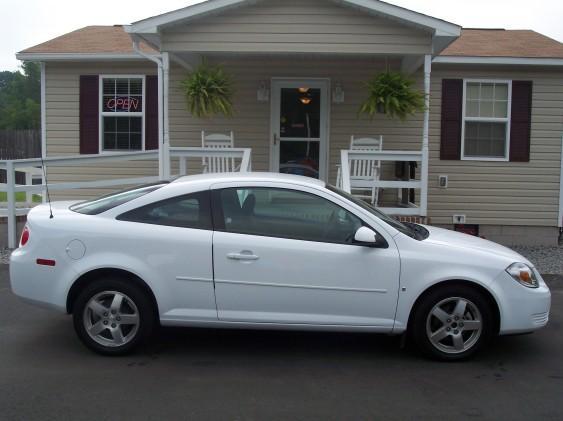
(458, 240)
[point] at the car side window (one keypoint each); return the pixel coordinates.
(189, 211)
(284, 213)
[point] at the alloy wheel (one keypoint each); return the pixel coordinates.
(111, 318)
(454, 325)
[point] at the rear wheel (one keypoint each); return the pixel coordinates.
(452, 323)
(113, 316)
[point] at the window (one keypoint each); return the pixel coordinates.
(285, 214)
(189, 211)
(122, 113)
(486, 120)
(109, 201)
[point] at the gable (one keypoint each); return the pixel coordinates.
(295, 26)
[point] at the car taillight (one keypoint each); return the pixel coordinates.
(25, 236)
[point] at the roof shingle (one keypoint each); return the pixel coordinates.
(90, 40)
(471, 43)
(504, 43)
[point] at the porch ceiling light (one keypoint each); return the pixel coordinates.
(306, 100)
(303, 90)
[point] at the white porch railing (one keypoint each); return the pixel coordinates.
(34, 166)
(348, 182)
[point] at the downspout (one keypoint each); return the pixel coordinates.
(162, 165)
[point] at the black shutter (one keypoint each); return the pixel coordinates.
(151, 113)
(521, 121)
(89, 114)
(452, 103)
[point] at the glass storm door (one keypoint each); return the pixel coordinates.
(299, 127)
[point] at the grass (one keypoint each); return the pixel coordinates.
(20, 197)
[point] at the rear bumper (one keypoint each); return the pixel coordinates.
(522, 309)
(37, 284)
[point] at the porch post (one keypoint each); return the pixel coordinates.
(425, 131)
(166, 117)
(160, 124)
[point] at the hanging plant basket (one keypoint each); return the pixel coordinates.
(209, 91)
(392, 94)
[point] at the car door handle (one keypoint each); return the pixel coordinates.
(243, 255)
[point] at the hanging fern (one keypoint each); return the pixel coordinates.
(392, 93)
(208, 90)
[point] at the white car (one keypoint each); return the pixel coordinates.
(268, 251)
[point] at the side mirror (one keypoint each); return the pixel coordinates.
(368, 237)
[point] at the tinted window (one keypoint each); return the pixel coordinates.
(285, 214)
(109, 201)
(189, 211)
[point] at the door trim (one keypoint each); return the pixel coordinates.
(324, 148)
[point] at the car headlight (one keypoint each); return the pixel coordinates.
(524, 274)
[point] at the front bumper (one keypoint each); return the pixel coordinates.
(522, 309)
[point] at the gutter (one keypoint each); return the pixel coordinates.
(76, 56)
(511, 61)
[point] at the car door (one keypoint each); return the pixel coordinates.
(286, 255)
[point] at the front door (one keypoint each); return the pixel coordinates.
(300, 127)
(287, 256)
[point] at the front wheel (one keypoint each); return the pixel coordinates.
(113, 316)
(452, 323)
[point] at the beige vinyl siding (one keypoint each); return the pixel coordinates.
(502, 193)
(298, 26)
(494, 193)
(251, 122)
(62, 83)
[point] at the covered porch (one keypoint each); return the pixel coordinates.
(299, 70)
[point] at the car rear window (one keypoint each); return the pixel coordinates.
(112, 200)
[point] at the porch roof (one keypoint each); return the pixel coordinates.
(476, 45)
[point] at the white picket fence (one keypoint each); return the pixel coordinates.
(34, 166)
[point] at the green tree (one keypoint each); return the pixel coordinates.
(20, 97)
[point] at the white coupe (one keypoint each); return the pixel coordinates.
(268, 251)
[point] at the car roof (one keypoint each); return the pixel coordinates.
(250, 176)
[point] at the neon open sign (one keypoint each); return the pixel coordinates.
(123, 104)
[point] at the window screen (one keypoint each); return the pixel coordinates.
(122, 113)
(486, 119)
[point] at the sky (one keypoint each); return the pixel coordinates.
(30, 22)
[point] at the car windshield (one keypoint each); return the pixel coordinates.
(399, 226)
(109, 201)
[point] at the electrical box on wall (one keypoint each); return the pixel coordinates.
(443, 181)
(459, 219)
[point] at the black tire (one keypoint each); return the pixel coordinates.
(420, 326)
(142, 310)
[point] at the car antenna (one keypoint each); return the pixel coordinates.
(47, 187)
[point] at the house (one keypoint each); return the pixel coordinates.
(489, 144)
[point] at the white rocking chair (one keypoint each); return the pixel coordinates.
(216, 164)
(364, 169)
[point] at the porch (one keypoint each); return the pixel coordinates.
(286, 135)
